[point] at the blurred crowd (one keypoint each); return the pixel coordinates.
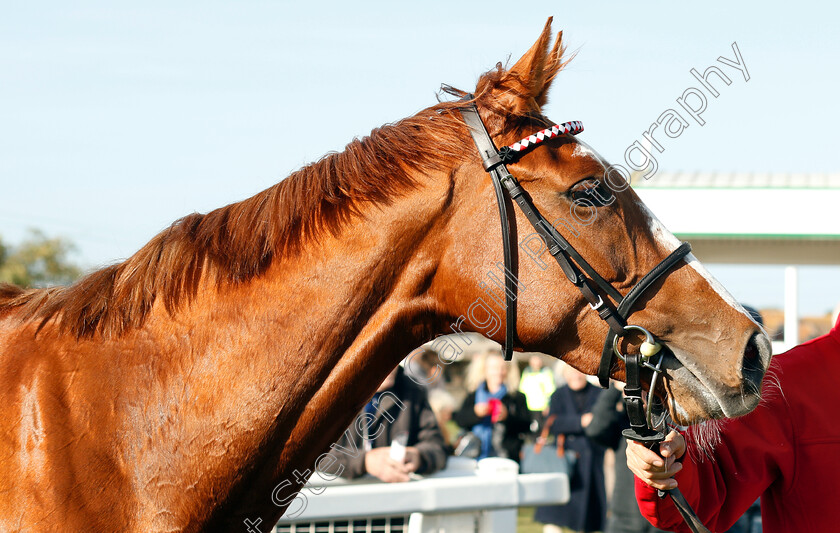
(428, 409)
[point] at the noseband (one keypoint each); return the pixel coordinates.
(642, 427)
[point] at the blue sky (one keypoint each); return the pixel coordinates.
(117, 118)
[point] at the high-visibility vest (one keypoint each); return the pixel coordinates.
(537, 387)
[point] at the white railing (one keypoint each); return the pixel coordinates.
(468, 496)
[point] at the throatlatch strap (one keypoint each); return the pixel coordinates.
(489, 154)
(492, 161)
(510, 282)
(626, 304)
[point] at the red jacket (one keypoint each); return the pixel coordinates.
(787, 451)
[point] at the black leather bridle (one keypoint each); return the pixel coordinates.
(574, 266)
(571, 262)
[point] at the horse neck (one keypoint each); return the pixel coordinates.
(285, 361)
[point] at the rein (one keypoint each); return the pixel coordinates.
(573, 265)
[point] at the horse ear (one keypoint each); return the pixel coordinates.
(531, 76)
(554, 64)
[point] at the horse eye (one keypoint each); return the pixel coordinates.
(591, 190)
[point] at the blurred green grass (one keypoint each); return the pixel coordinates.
(525, 521)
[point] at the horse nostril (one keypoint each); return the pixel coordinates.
(754, 361)
(751, 351)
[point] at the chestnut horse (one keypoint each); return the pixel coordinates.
(193, 386)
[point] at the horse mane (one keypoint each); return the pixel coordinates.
(235, 243)
(239, 241)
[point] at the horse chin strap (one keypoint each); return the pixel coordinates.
(642, 427)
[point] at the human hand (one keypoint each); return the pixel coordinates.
(656, 471)
(378, 463)
(482, 409)
(412, 459)
(585, 419)
(502, 413)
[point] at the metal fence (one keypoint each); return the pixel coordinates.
(467, 496)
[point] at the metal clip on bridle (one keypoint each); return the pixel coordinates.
(642, 427)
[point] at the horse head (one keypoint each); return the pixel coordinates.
(716, 354)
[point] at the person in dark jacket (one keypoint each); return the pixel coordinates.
(571, 406)
(395, 436)
(495, 413)
(608, 421)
